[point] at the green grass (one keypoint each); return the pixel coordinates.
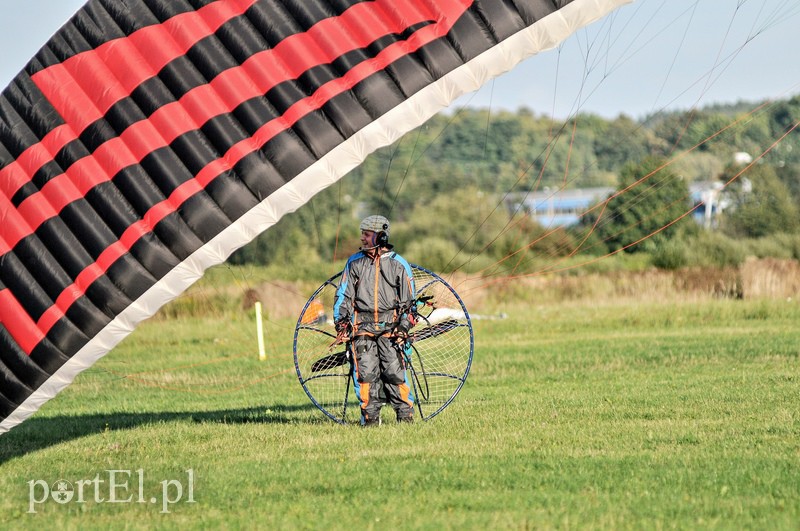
(612, 416)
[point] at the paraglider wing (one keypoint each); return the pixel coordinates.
(149, 139)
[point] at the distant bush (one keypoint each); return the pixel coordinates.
(614, 263)
(769, 247)
(715, 249)
(435, 254)
(782, 245)
(671, 255)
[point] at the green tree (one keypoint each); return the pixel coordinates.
(789, 174)
(622, 140)
(648, 206)
(761, 205)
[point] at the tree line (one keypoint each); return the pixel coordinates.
(444, 187)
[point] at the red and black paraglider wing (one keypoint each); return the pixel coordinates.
(149, 139)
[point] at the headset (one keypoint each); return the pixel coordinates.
(382, 239)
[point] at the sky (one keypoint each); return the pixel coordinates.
(650, 55)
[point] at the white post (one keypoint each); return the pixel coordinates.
(262, 354)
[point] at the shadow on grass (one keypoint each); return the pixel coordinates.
(39, 433)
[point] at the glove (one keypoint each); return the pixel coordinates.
(403, 327)
(343, 327)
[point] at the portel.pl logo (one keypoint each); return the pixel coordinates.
(113, 486)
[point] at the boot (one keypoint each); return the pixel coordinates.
(368, 422)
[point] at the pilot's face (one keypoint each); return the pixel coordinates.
(368, 238)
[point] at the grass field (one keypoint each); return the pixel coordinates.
(584, 415)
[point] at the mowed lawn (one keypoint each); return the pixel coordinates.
(585, 415)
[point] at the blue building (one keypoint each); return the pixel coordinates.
(555, 207)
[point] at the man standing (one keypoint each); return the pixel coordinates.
(372, 307)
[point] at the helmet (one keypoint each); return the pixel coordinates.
(376, 224)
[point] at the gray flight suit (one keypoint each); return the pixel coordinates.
(374, 292)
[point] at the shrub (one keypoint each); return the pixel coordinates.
(671, 255)
(784, 245)
(770, 247)
(433, 253)
(716, 249)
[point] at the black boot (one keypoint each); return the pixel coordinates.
(368, 422)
